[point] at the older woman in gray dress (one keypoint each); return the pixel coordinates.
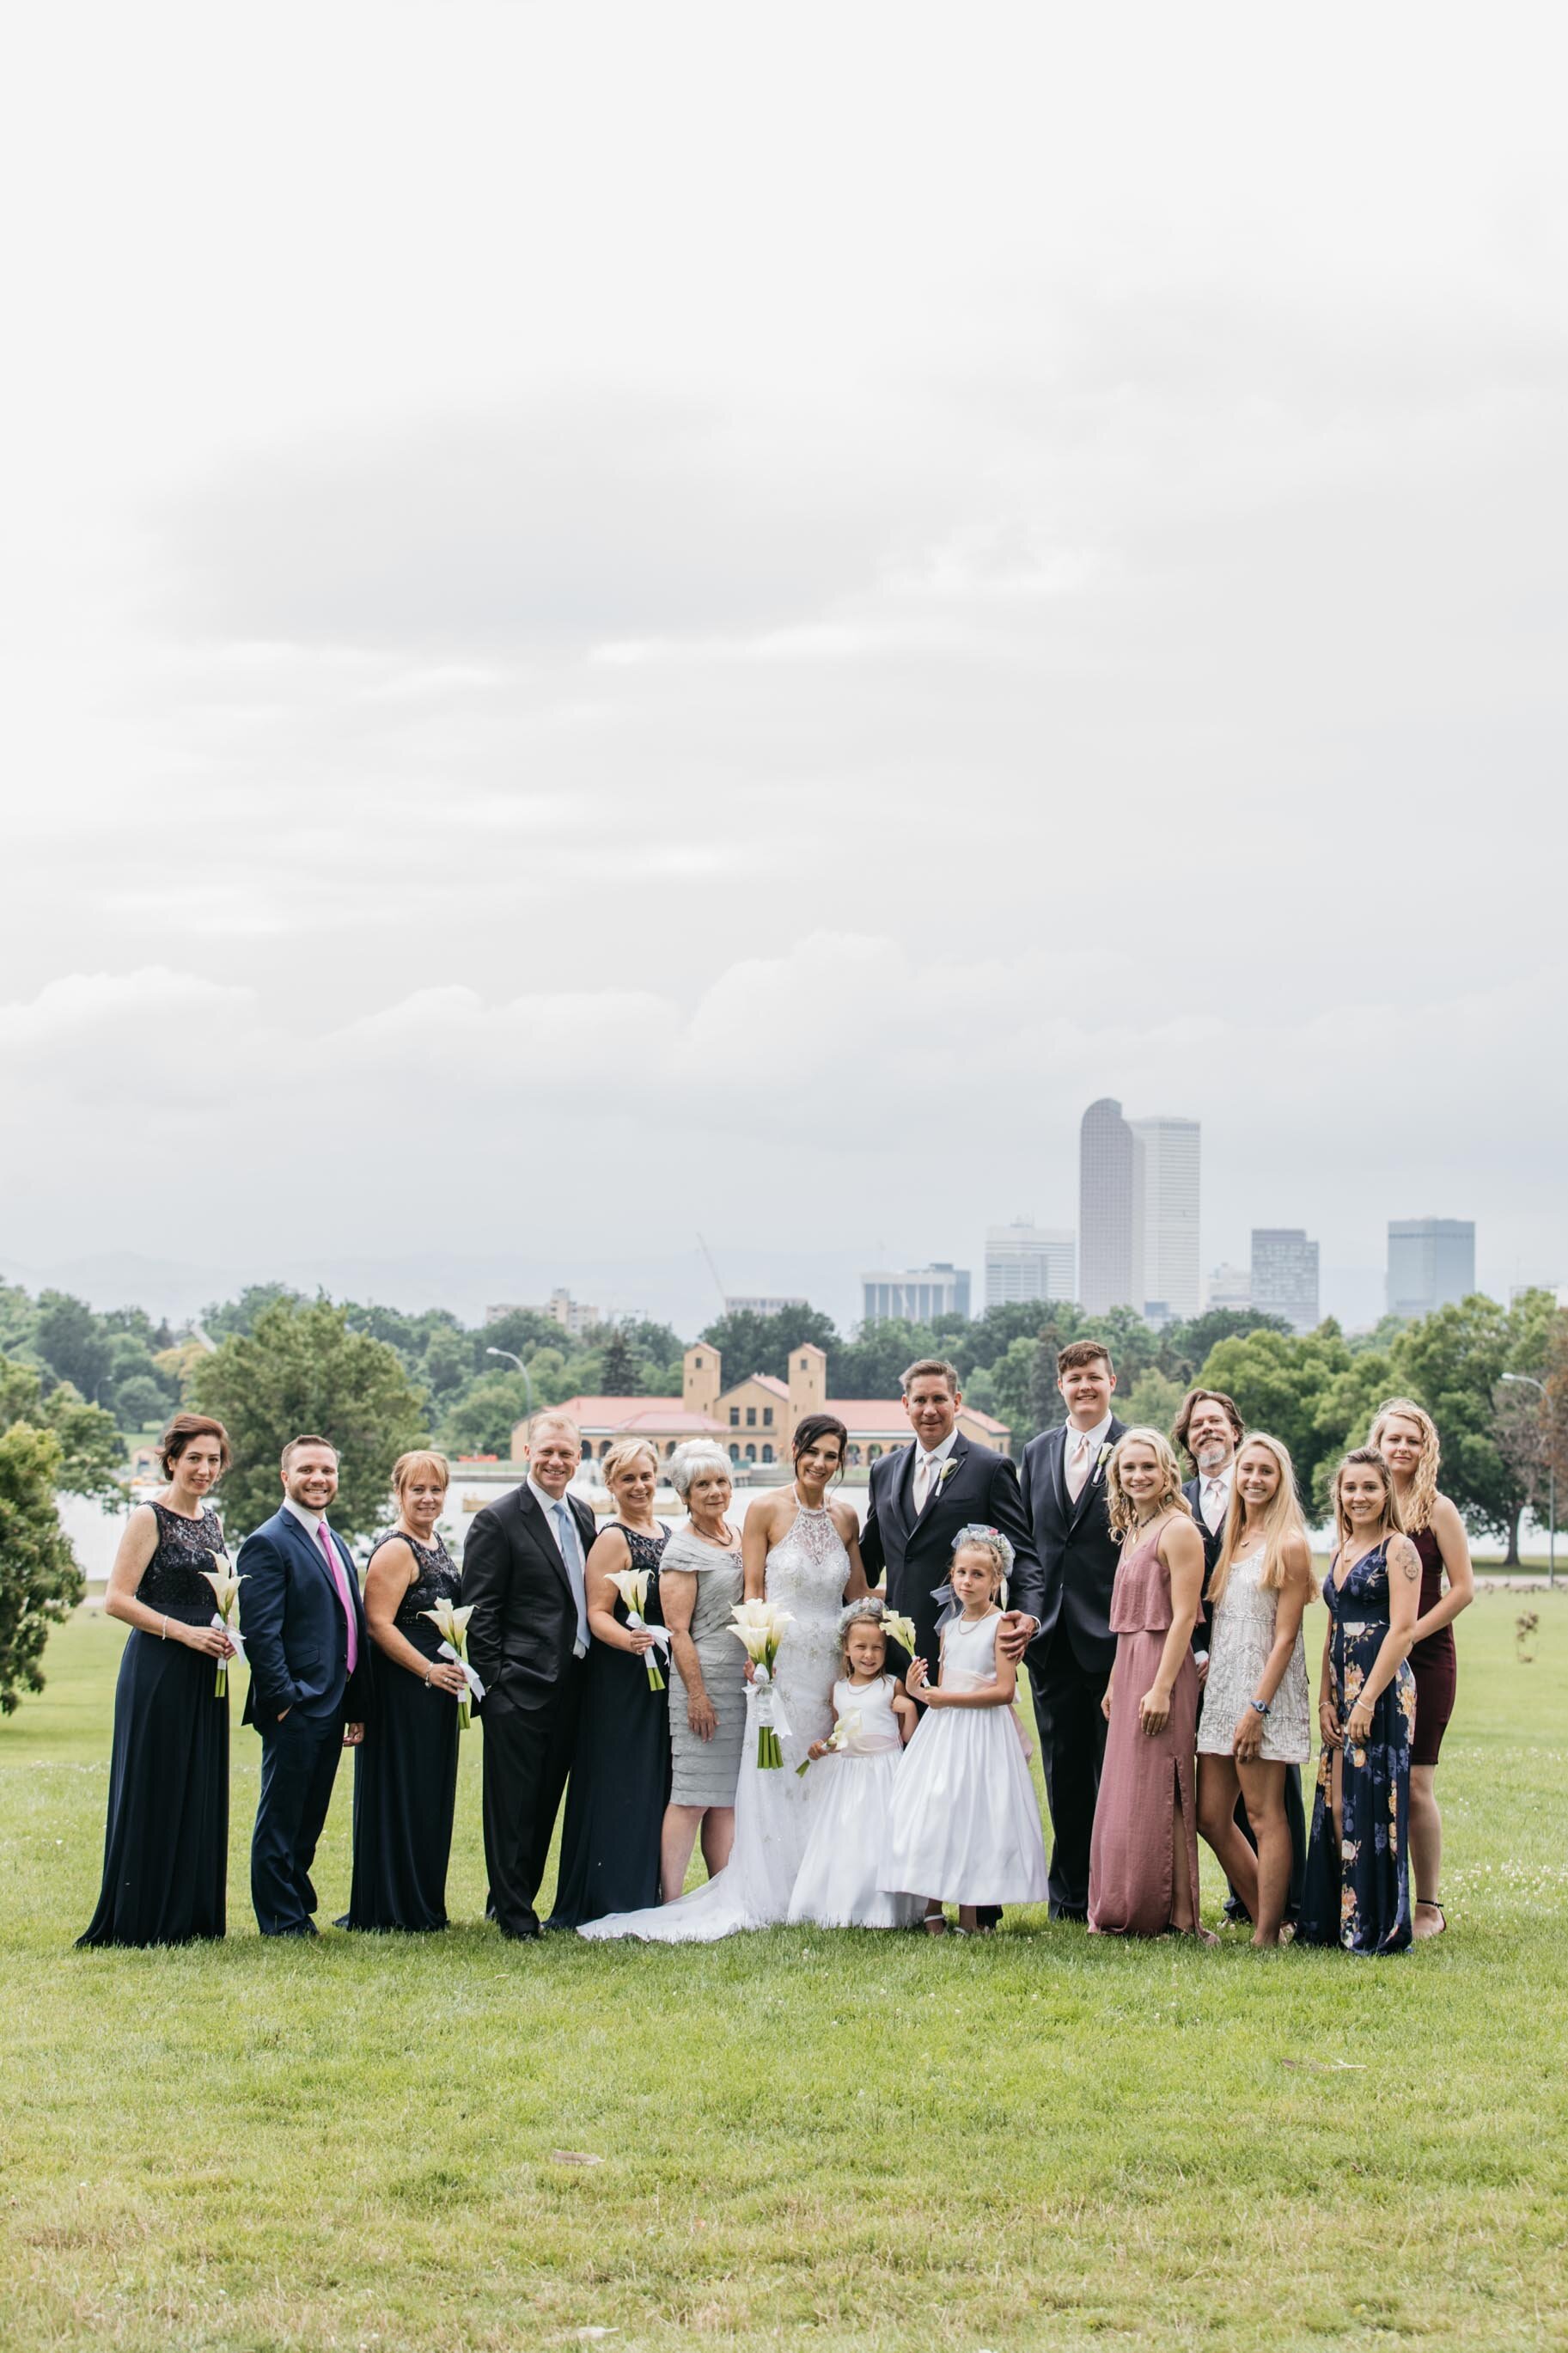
(700, 1579)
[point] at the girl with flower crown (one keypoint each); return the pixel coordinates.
(839, 1885)
(964, 1826)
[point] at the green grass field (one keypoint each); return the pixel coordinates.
(802, 2138)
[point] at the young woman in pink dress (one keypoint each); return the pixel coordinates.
(1144, 1857)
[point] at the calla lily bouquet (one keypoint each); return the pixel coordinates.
(900, 1630)
(839, 1738)
(759, 1628)
(226, 1593)
(632, 1584)
(452, 1624)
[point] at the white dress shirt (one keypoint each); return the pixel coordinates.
(928, 1467)
(1097, 1437)
(1214, 1497)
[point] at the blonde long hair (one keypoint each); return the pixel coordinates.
(1121, 1510)
(1282, 1521)
(1416, 1508)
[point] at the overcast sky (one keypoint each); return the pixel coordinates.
(627, 619)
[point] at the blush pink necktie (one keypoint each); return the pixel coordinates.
(1078, 1469)
(339, 1579)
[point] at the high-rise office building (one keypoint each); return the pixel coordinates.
(1285, 1275)
(1431, 1264)
(1230, 1286)
(1109, 1235)
(916, 1295)
(1165, 1178)
(1028, 1261)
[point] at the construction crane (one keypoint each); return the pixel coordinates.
(713, 1271)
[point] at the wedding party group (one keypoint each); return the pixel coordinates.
(828, 1709)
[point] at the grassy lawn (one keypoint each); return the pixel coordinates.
(801, 2139)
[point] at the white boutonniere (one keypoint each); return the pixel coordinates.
(1103, 1457)
(945, 1474)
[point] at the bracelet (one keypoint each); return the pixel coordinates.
(163, 1636)
(428, 1672)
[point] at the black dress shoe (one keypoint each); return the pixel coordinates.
(522, 1936)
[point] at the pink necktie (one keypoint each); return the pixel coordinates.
(339, 1579)
(1078, 1469)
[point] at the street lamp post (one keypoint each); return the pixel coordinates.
(1523, 1381)
(527, 1383)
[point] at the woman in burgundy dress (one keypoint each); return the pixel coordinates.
(1405, 1436)
(1144, 1854)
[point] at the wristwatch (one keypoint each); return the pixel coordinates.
(1261, 1705)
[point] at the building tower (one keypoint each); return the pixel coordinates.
(1165, 1204)
(1110, 1237)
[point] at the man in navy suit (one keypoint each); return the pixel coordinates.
(1071, 1657)
(523, 1568)
(305, 1636)
(1209, 1430)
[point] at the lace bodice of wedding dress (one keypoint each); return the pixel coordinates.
(805, 1575)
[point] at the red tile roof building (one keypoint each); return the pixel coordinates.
(755, 1420)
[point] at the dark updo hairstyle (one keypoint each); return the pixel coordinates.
(813, 1426)
(179, 1434)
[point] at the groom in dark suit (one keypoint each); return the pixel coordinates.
(921, 1496)
(523, 1573)
(1071, 1657)
(303, 1625)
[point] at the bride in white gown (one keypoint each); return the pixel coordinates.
(802, 1552)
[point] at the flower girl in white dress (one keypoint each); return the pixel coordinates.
(837, 1882)
(964, 1824)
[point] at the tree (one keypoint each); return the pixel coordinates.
(748, 1342)
(299, 1369)
(72, 1342)
(223, 1319)
(873, 1366)
(446, 1364)
(1347, 1406)
(91, 1457)
(1278, 1379)
(1453, 1363)
(139, 1402)
(1153, 1402)
(40, 1583)
(618, 1371)
(1185, 1346)
(482, 1419)
(18, 1320)
(518, 1331)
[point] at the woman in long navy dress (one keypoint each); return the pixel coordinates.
(406, 1769)
(620, 1765)
(166, 1847)
(1357, 1891)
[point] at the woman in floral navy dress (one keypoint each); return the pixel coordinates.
(1358, 1867)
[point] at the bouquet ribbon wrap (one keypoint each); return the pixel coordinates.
(221, 1622)
(763, 1698)
(447, 1652)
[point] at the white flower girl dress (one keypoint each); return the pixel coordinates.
(964, 1826)
(837, 1886)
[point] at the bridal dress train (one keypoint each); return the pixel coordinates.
(805, 1575)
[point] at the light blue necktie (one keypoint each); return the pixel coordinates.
(571, 1553)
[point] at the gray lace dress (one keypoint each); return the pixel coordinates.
(704, 1772)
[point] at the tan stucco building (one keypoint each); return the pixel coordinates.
(754, 1420)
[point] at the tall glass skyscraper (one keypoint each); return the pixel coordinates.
(1431, 1264)
(1165, 1175)
(1110, 1237)
(1285, 1275)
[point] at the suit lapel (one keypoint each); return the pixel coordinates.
(311, 1546)
(901, 1490)
(544, 1535)
(1096, 1475)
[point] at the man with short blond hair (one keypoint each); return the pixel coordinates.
(524, 1572)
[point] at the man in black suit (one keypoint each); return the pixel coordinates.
(1209, 1430)
(1071, 1657)
(303, 1625)
(523, 1573)
(921, 1494)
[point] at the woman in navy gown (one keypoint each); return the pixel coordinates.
(406, 1769)
(1357, 1891)
(620, 1765)
(166, 1848)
